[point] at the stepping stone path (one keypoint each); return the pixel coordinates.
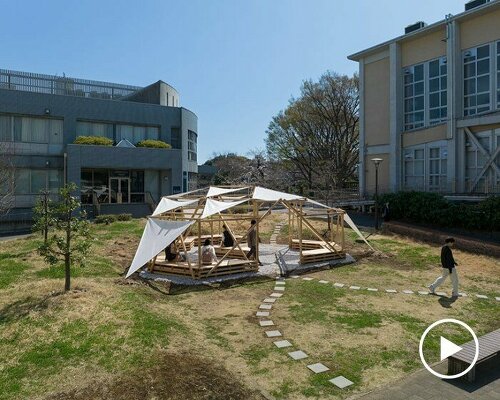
(391, 291)
(338, 284)
(423, 293)
(294, 276)
(497, 298)
(341, 382)
(318, 368)
(481, 296)
(282, 343)
(276, 232)
(407, 291)
(354, 287)
(296, 355)
(370, 289)
(441, 293)
(273, 333)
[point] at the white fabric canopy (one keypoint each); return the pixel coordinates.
(353, 226)
(216, 191)
(264, 194)
(166, 204)
(157, 235)
(214, 206)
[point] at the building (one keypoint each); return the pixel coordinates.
(430, 106)
(42, 115)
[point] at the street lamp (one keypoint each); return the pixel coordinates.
(377, 162)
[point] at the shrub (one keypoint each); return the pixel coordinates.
(124, 217)
(105, 219)
(434, 209)
(94, 140)
(157, 144)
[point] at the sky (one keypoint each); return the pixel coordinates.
(236, 63)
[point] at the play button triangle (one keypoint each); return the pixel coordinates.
(448, 348)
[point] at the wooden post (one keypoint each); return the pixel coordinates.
(300, 228)
(199, 245)
(187, 258)
(289, 228)
(342, 228)
(256, 217)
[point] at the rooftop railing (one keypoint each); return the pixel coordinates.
(63, 85)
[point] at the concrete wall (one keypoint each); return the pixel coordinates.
(423, 48)
(376, 102)
(421, 136)
(480, 30)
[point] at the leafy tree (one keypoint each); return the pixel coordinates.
(70, 240)
(317, 134)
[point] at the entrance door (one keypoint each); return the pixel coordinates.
(120, 190)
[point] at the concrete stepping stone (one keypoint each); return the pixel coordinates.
(497, 298)
(269, 300)
(462, 294)
(336, 284)
(408, 291)
(262, 314)
(370, 289)
(481, 296)
(354, 287)
(265, 306)
(391, 291)
(266, 323)
(307, 279)
(277, 295)
(294, 276)
(279, 289)
(273, 333)
(280, 283)
(318, 368)
(322, 281)
(298, 355)
(282, 343)
(441, 294)
(341, 382)
(423, 292)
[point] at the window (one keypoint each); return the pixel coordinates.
(176, 138)
(498, 74)
(84, 128)
(414, 169)
(437, 168)
(134, 134)
(476, 80)
(32, 181)
(31, 129)
(437, 91)
(414, 99)
(192, 145)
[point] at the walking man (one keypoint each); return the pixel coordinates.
(448, 263)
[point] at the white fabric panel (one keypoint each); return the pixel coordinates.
(316, 203)
(213, 206)
(216, 191)
(168, 204)
(157, 235)
(264, 194)
(353, 226)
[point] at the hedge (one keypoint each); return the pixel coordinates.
(106, 219)
(94, 140)
(157, 144)
(434, 209)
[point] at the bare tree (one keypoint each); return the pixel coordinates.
(317, 134)
(7, 180)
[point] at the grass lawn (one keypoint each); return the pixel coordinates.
(111, 338)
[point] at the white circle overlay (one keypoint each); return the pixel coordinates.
(445, 321)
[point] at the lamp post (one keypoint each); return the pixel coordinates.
(377, 162)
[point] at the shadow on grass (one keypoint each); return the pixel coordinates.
(446, 302)
(21, 308)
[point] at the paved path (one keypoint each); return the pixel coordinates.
(423, 386)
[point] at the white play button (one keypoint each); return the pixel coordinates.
(448, 348)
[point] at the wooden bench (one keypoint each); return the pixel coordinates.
(226, 267)
(489, 346)
(319, 255)
(194, 240)
(234, 253)
(308, 244)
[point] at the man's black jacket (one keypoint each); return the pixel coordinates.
(447, 260)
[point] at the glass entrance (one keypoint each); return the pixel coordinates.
(120, 190)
